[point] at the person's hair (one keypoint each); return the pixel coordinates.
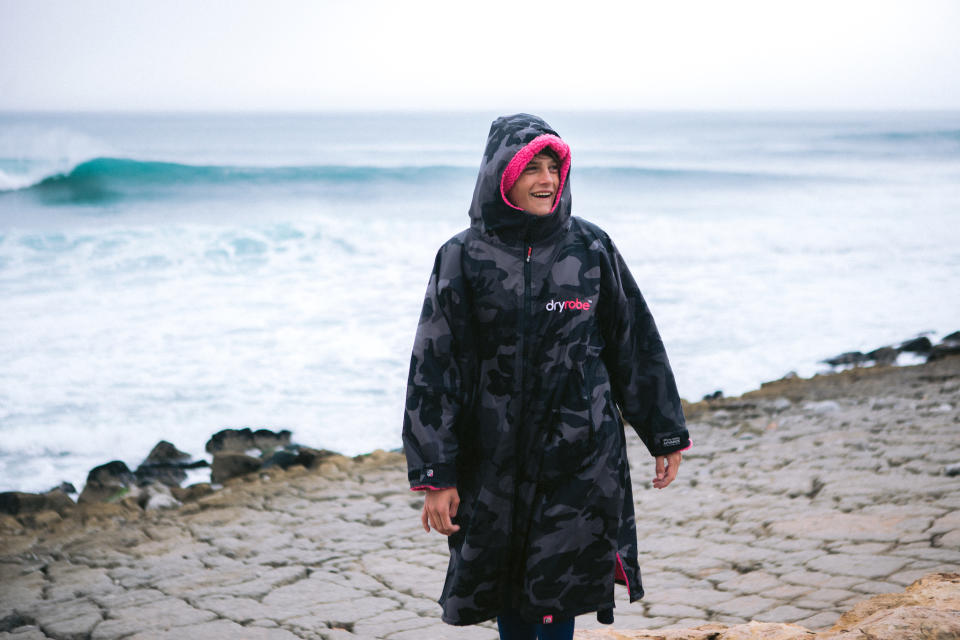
(548, 151)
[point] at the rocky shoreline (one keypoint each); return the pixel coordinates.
(798, 500)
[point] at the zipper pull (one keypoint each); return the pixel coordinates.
(529, 251)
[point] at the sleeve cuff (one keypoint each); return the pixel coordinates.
(433, 476)
(669, 442)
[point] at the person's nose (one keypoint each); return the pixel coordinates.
(544, 176)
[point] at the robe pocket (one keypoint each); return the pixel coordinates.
(569, 445)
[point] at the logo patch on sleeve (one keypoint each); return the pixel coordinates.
(671, 442)
(547, 619)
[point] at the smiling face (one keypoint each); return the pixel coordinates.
(536, 189)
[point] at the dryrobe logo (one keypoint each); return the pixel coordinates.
(568, 305)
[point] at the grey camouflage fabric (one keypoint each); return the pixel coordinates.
(533, 339)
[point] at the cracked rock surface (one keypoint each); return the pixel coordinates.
(796, 502)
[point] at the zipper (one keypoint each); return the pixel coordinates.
(518, 568)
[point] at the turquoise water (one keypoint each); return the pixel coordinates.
(165, 276)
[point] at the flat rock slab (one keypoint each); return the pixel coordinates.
(796, 501)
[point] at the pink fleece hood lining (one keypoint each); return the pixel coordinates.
(523, 157)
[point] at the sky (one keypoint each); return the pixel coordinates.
(380, 55)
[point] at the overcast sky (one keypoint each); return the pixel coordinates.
(345, 54)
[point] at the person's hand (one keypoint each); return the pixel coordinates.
(438, 508)
(667, 474)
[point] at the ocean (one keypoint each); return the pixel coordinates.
(165, 276)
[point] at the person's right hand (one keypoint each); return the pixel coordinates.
(438, 508)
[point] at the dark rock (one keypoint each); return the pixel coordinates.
(716, 395)
(883, 355)
(15, 503)
(167, 465)
(952, 470)
(297, 455)
(228, 465)
(953, 337)
(268, 441)
(165, 452)
(850, 357)
(66, 487)
(108, 482)
(236, 440)
(310, 458)
(242, 440)
(917, 345)
(942, 350)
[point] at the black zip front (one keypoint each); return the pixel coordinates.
(521, 529)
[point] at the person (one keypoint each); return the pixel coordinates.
(533, 340)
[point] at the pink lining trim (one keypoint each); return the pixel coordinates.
(427, 487)
(689, 446)
(621, 574)
(523, 157)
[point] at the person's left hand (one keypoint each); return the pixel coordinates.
(666, 475)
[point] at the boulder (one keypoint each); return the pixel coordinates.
(109, 482)
(917, 345)
(952, 337)
(228, 465)
(297, 455)
(36, 509)
(242, 440)
(942, 350)
(167, 465)
(850, 357)
(883, 355)
(66, 487)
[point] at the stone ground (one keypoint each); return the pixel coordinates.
(796, 501)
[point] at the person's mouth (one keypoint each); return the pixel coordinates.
(542, 194)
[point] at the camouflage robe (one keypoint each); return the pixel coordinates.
(533, 333)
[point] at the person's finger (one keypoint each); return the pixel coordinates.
(446, 526)
(423, 519)
(454, 505)
(659, 467)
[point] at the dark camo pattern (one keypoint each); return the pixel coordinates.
(517, 405)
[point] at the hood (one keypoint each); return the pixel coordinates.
(511, 144)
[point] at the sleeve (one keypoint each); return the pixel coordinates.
(435, 385)
(643, 383)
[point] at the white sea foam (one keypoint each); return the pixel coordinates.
(129, 322)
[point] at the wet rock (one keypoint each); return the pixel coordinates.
(943, 350)
(952, 470)
(919, 345)
(228, 465)
(66, 487)
(883, 355)
(109, 482)
(297, 455)
(850, 357)
(166, 464)
(242, 440)
(16, 503)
